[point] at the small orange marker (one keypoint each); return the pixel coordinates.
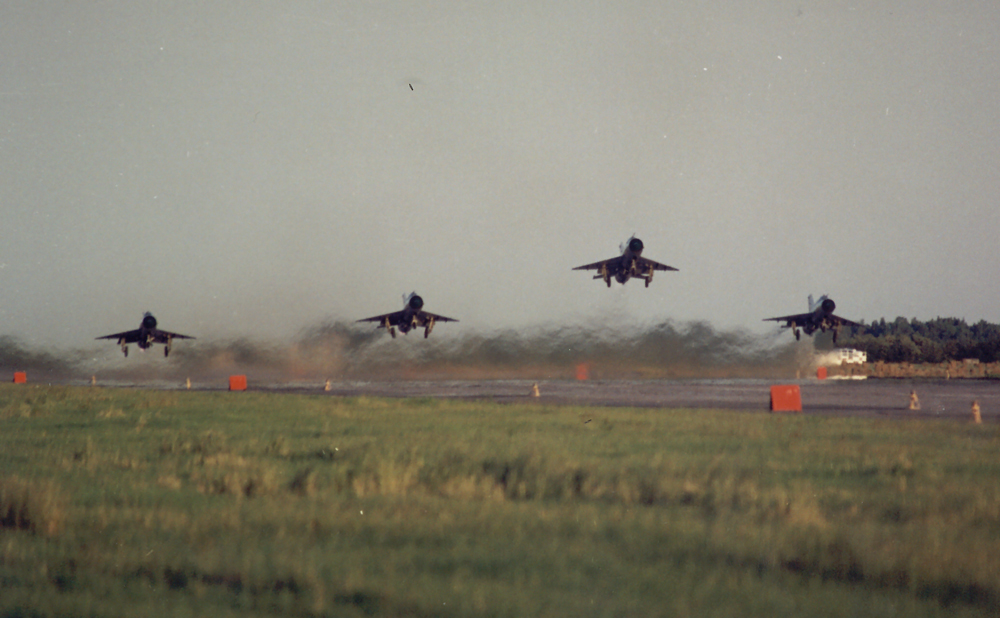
(583, 371)
(821, 373)
(237, 383)
(20, 377)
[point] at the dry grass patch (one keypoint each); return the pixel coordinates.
(35, 506)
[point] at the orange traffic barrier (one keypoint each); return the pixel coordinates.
(821, 373)
(583, 371)
(20, 377)
(786, 398)
(237, 383)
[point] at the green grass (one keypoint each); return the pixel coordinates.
(128, 502)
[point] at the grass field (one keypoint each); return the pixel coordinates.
(129, 502)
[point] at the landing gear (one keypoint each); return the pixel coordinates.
(429, 328)
(125, 350)
(166, 348)
(605, 274)
(649, 275)
(389, 327)
(392, 331)
(798, 335)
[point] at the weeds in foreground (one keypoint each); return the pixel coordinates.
(35, 506)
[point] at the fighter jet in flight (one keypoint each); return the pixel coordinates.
(629, 264)
(146, 335)
(411, 316)
(820, 317)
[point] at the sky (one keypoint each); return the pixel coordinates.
(253, 169)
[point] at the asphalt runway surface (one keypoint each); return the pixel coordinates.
(875, 398)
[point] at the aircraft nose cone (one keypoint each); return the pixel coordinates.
(635, 245)
(416, 302)
(829, 305)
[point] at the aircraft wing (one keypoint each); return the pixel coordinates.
(162, 336)
(129, 336)
(424, 315)
(798, 318)
(393, 318)
(843, 322)
(644, 265)
(612, 264)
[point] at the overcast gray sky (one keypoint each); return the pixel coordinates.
(255, 168)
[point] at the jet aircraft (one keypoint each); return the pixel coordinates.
(820, 317)
(629, 264)
(146, 335)
(411, 316)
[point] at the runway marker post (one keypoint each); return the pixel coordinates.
(914, 401)
(786, 398)
(976, 418)
(237, 383)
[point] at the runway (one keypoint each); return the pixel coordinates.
(943, 399)
(873, 398)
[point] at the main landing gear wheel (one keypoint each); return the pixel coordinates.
(798, 335)
(125, 350)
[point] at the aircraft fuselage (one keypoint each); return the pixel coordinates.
(629, 261)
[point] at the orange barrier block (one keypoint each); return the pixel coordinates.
(786, 398)
(582, 371)
(237, 383)
(821, 373)
(20, 377)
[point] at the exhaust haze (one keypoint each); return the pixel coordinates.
(339, 350)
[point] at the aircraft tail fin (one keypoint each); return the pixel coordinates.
(621, 247)
(813, 305)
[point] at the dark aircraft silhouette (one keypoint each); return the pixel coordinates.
(629, 264)
(146, 335)
(820, 317)
(411, 316)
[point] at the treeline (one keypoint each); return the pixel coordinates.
(934, 341)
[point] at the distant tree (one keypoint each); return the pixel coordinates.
(933, 341)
